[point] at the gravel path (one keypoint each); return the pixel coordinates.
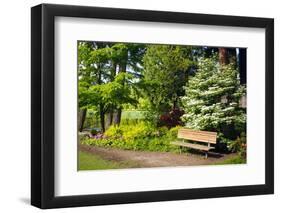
(153, 159)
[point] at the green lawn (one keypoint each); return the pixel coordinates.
(233, 160)
(89, 161)
(132, 114)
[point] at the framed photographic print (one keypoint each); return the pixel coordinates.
(139, 106)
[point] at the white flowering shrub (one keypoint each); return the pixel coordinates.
(211, 100)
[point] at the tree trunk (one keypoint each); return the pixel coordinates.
(102, 123)
(82, 118)
(113, 71)
(119, 109)
(223, 56)
(109, 119)
(101, 106)
(118, 116)
(243, 65)
(175, 103)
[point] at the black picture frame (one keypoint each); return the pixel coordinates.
(43, 117)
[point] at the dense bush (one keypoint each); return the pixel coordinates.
(172, 118)
(239, 145)
(139, 130)
(142, 136)
(212, 99)
(173, 132)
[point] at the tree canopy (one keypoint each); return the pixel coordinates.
(212, 96)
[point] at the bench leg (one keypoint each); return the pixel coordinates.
(206, 155)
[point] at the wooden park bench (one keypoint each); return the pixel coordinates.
(203, 139)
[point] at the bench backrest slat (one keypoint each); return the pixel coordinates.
(196, 135)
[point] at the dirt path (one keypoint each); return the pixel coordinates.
(153, 159)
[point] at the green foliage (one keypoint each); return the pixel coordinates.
(127, 121)
(211, 100)
(165, 74)
(142, 136)
(113, 93)
(114, 131)
(92, 119)
(173, 132)
(128, 132)
(92, 62)
(132, 117)
(117, 80)
(83, 136)
(104, 83)
(239, 145)
(94, 131)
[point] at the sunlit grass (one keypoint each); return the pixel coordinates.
(88, 161)
(233, 160)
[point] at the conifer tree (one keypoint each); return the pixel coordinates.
(211, 100)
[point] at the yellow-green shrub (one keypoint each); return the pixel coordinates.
(141, 136)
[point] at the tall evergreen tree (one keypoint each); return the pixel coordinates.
(211, 100)
(165, 73)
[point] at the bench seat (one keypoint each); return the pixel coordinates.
(192, 145)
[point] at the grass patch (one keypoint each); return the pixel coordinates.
(132, 114)
(89, 161)
(233, 160)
